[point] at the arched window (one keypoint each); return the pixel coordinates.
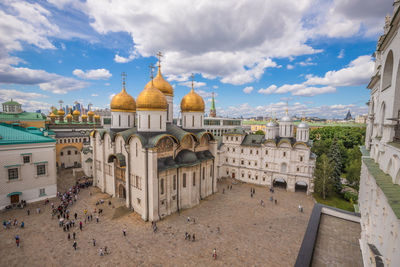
(167, 112)
(194, 179)
(382, 118)
(119, 120)
(192, 120)
(204, 172)
(161, 120)
(184, 180)
(139, 121)
(162, 186)
(129, 121)
(184, 121)
(148, 121)
(388, 71)
(174, 182)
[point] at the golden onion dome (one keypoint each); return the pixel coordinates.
(69, 116)
(52, 115)
(161, 84)
(151, 99)
(84, 116)
(90, 113)
(97, 116)
(192, 102)
(123, 102)
(76, 112)
(61, 112)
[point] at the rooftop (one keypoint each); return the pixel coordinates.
(24, 116)
(11, 135)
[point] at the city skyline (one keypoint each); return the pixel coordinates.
(255, 56)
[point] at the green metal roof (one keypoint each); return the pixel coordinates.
(253, 140)
(311, 124)
(384, 181)
(14, 193)
(11, 103)
(24, 116)
(89, 160)
(11, 135)
(237, 130)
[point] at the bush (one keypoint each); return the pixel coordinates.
(349, 196)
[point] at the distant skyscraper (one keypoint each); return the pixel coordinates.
(348, 116)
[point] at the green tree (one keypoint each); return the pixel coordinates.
(260, 132)
(335, 157)
(353, 167)
(323, 182)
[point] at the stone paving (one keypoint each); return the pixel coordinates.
(250, 235)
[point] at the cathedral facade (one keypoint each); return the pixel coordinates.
(158, 167)
(277, 158)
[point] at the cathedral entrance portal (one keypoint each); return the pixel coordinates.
(233, 175)
(121, 191)
(301, 187)
(280, 182)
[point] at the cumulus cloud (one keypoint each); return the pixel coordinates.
(341, 54)
(205, 94)
(248, 89)
(94, 95)
(132, 55)
(111, 96)
(97, 74)
(289, 66)
(192, 41)
(298, 109)
(357, 72)
(195, 84)
(25, 99)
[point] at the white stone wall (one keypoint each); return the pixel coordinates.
(192, 120)
(170, 109)
(122, 120)
(157, 120)
(68, 160)
(28, 182)
(379, 224)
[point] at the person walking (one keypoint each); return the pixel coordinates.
(28, 212)
(69, 236)
(124, 231)
(94, 242)
(17, 240)
(80, 225)
(97, 219)
(74, 245)
(76, 215)
(74, 235)
(193, 238)
(101, 252)
(214, 254)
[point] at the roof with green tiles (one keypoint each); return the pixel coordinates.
(11, 103)
(12, 135)
(23, 116)
(384, 181)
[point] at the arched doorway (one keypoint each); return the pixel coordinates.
(121, 191)
(301, 187)
(280, 182)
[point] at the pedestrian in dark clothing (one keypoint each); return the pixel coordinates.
(73, 235)
(28, 212)
(17, 240)
(69, 236)
(193, 238)
(74, 245)
(124, 232)
(80, 225)
(276, 201)
(94, 242)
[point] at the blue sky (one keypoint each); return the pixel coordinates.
(255, 55)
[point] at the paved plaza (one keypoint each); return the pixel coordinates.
(250, 235)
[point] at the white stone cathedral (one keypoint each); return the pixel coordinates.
(158, 167)
(278, 158)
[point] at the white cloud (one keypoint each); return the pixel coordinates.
(324, 111)
(205, 94)
(215, 86)
(289, 66)
(47, 81)
(95, 95)
(307, 62)
(97, 74)
(195, 84)
(111, 96)
(358, 72)
(248, 89)
(25, 99)
(195, 37)
(341, 54)
(270, 90)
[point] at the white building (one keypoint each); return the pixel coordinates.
(218, 126)
(278, 158)
(27, 165)
(379, 195)
(158, 167)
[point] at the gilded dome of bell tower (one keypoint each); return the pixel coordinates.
(159, 82)
(151, 98)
